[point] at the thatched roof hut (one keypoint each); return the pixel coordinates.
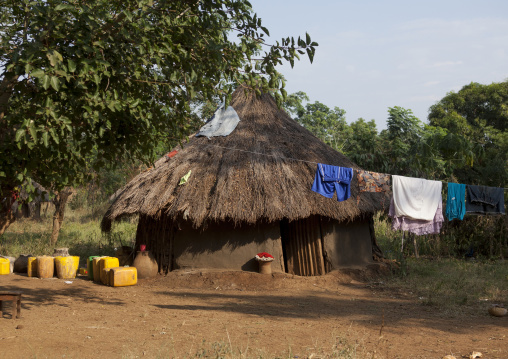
(32, 208)
(259, 176)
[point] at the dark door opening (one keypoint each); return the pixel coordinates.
(302, 246)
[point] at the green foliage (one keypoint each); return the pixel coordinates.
(476, 123)
(404, 135)
(94, 83)
(80, 233)
(466, 140)
(467, 286)
(323, 122)
(478, 237)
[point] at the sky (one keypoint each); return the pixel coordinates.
(373, 55)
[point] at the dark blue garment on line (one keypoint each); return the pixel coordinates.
(484, 200)
(330, 179)
(455, 204)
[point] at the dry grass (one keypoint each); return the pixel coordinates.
(340, 346)
(454, 286)
(80, 232)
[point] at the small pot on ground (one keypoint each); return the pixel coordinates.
(265, 262)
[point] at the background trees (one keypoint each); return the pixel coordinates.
(475, 120)
(88, 84)
(465, 141)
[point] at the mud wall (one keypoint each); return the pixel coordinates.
(222, 246)
(346, 244)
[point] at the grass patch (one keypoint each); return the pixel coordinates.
(453, 285)
(80, 233)
(340, 348)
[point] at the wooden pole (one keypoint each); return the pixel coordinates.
(402, 244)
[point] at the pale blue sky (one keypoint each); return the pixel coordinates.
(378, 54)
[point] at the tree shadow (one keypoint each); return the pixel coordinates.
(42, 297)
(397, 314)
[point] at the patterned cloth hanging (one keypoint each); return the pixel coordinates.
(373, 182)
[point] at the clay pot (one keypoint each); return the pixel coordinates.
(61, 252)
(21, 264)
(265, 267)
(145, 264)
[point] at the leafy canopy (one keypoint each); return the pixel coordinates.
(110, 78)
(466, 140)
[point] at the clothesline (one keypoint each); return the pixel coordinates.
(281, 157)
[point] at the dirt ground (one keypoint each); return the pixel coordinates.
(214, 314)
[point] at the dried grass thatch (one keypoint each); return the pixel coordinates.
(256, 173)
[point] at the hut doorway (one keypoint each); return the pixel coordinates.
(302, 246)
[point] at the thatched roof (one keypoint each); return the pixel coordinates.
(42, 194)
(260, 180)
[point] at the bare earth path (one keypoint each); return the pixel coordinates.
(192, 314)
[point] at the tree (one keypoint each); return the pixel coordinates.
(114, 77)
(323, 122)
(403, 137)
(476, 123)
(365, 146)
(474, 102)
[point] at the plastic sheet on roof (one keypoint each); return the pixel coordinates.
(223, 122)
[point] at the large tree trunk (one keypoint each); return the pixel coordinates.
(6, 219)
(6, 88)
(59, 201)
(7, 216)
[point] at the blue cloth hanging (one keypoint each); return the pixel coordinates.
(484, 200)
(330, 179)
(455, 204)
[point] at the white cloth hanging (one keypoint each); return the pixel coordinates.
(416, 198)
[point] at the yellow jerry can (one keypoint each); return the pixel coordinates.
(75, 264)
(65, 267)
(105, 263)
(45, 266)
(96, 270)
(32, 267)
(89, 266)
(105, 275)
(5, 266)
(123, 276)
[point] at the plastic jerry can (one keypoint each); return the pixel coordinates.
(45, 267)
(65, 267)
(11, 260)
(95, 269)
(123, 276)
(75, 264)
(105, 275)
(105, 263)
(5, 266)
(89, 266)
(32, 267)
